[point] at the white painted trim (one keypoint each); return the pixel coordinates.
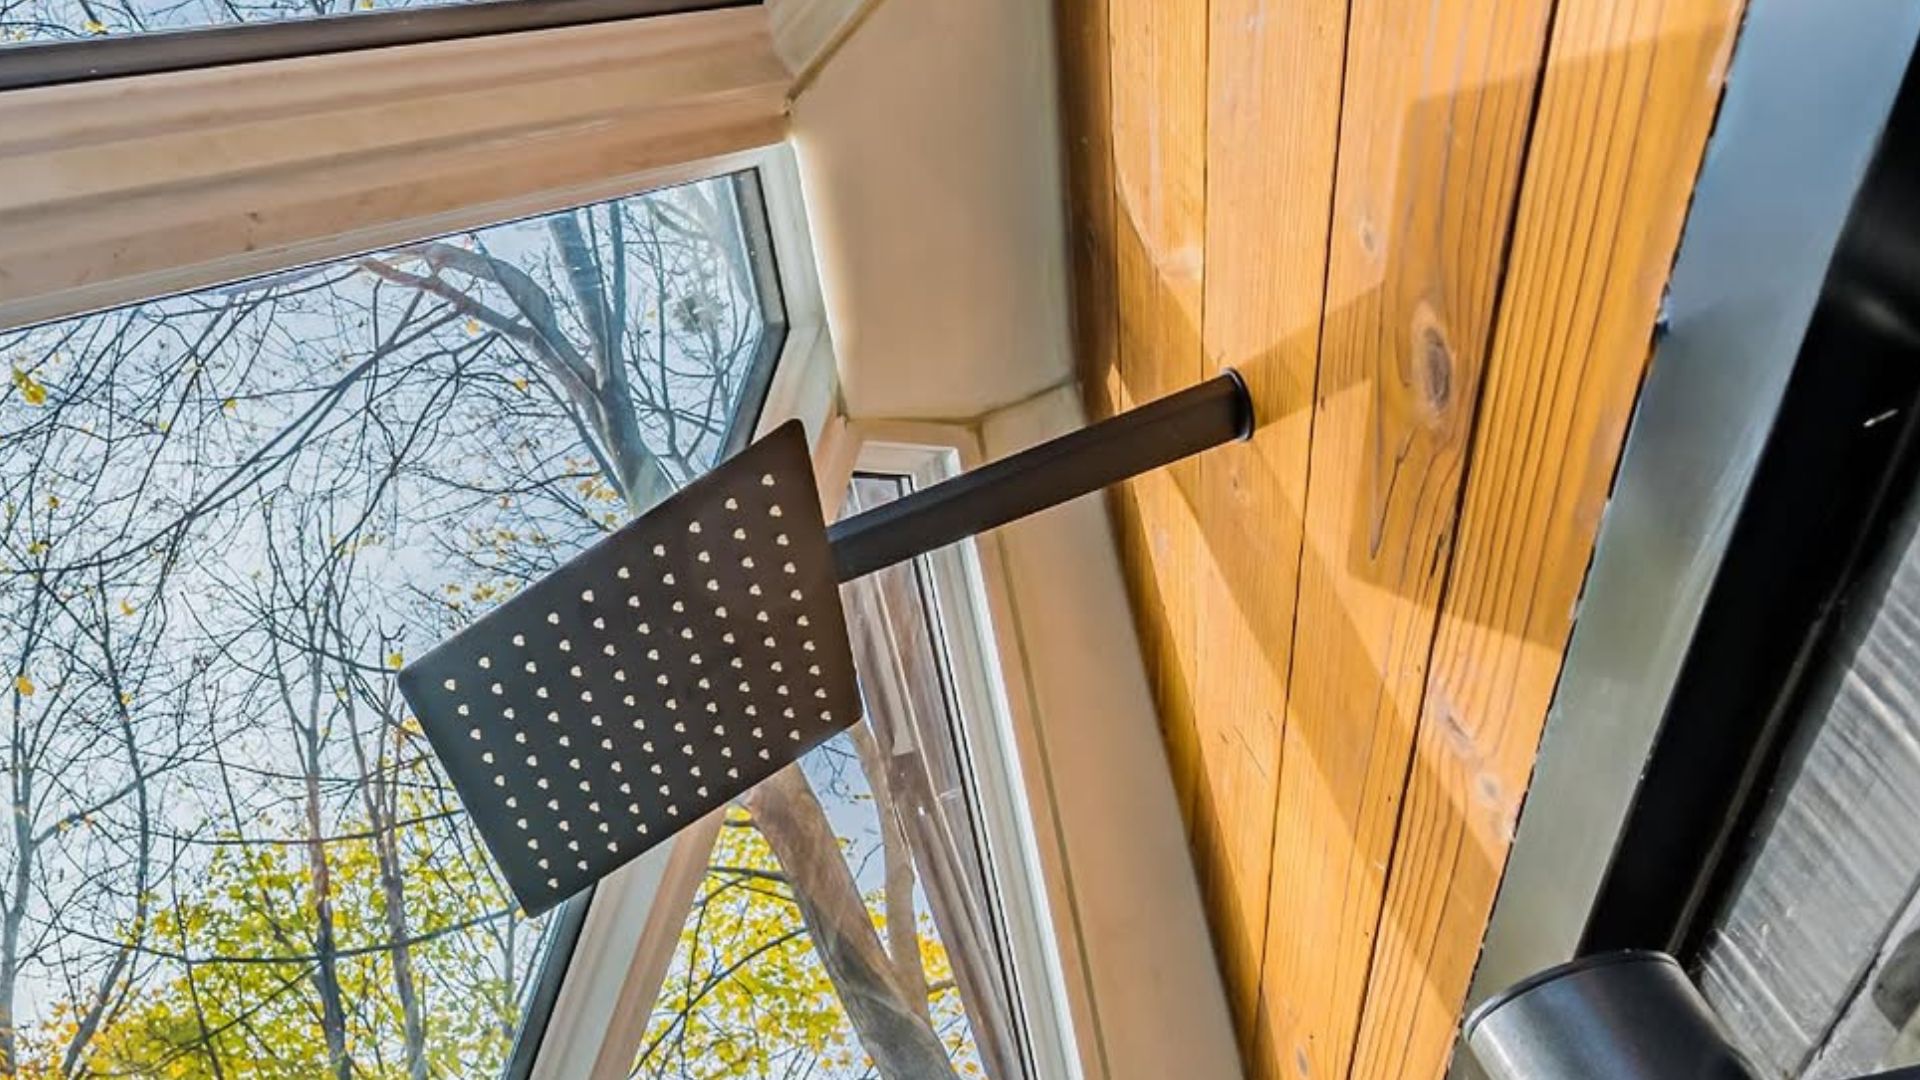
(1137, 957)
(610, 936)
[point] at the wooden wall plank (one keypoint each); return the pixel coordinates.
(1273, 113)
(1438, 95)
(1627, 100)
(1158, 89)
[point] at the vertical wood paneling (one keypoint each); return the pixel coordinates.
(1626, 103)
(1438, 97)
(1273, 111)
(1158, 87)
(1353, 622)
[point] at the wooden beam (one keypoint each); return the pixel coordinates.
(1432, 134)
(1626, 103)
(121, 189)
(1158, 79)
(1273, 117)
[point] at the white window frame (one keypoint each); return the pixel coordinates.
(972, 606)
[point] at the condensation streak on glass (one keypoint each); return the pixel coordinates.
(846, 927)
(226, 519)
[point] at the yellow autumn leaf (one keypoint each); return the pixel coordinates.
(229, 406)
(473, 325)
(127, 609)
(94, 26)
(366, 5)
(23, 685)
(126, 697)
(520, 384)
(38, 547)
(394, 659)
(53, 502)
(31, 391)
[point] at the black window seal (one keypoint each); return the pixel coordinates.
(37, 64)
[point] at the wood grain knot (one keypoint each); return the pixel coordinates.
(1432, 361)
(1369, 239)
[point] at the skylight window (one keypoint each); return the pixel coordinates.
(226, 519)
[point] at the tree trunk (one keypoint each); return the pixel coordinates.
(382, 822)
(379, 798)
(109, 982)
(13, 915)
(391, 882)
(902, 1045)
(326, 974)
(903, 930)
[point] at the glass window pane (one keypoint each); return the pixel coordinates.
(226, 519)
(846, 926)
(79, 20)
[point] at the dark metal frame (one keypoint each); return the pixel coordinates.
(1839, 467)
(54, 63)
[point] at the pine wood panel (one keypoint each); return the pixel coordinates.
(1371, 207)
(1431, 140)
(1273, 110)
(1158, 93)
(1627, 100)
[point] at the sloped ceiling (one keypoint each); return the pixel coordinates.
(929, 149)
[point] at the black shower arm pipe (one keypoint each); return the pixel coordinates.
(1140, 440)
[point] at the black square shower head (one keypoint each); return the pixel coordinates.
(661, 673)
(701, 648)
